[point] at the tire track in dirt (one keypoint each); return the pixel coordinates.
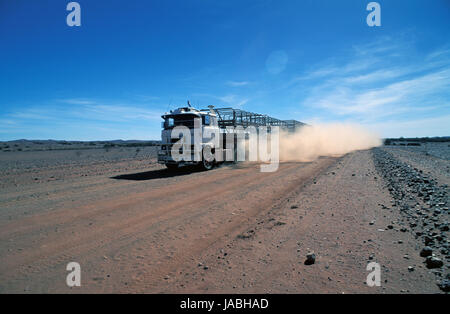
(228, 232)
(128, 228)
(266, 220)
(93, 210)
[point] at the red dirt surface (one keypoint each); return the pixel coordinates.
(229, 230)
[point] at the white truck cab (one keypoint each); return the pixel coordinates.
(206, 122)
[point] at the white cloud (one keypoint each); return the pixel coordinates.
(119, 113)
(75, 101)
(86, 119)
(237, 83)
(384, 87)
(233, 100)
(435, 126)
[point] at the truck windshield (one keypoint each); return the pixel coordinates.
(179, 120)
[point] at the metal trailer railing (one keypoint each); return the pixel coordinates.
(294, 124)
(238, 117)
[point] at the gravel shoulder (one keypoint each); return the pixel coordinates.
(429, 159)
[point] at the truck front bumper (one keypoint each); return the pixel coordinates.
(165, 157)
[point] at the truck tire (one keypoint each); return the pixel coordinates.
(205, 164)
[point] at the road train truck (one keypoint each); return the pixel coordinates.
(207, 137)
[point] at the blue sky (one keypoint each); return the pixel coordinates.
(130, 61)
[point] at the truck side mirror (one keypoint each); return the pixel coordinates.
(207, 120)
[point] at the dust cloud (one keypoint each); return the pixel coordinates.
(311, 142)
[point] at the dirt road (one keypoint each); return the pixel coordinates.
(232, 229)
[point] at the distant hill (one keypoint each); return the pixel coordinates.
(39, 145)
(436, 139)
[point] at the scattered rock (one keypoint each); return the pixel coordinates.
(246, 235)
(444, 285)
(428, 240)
(434, 262)
(426, 251)
(444, 227)
(310, 258)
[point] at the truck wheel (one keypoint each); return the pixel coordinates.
(207, 165)
(171, 166)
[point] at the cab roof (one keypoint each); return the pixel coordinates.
(189, 111)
